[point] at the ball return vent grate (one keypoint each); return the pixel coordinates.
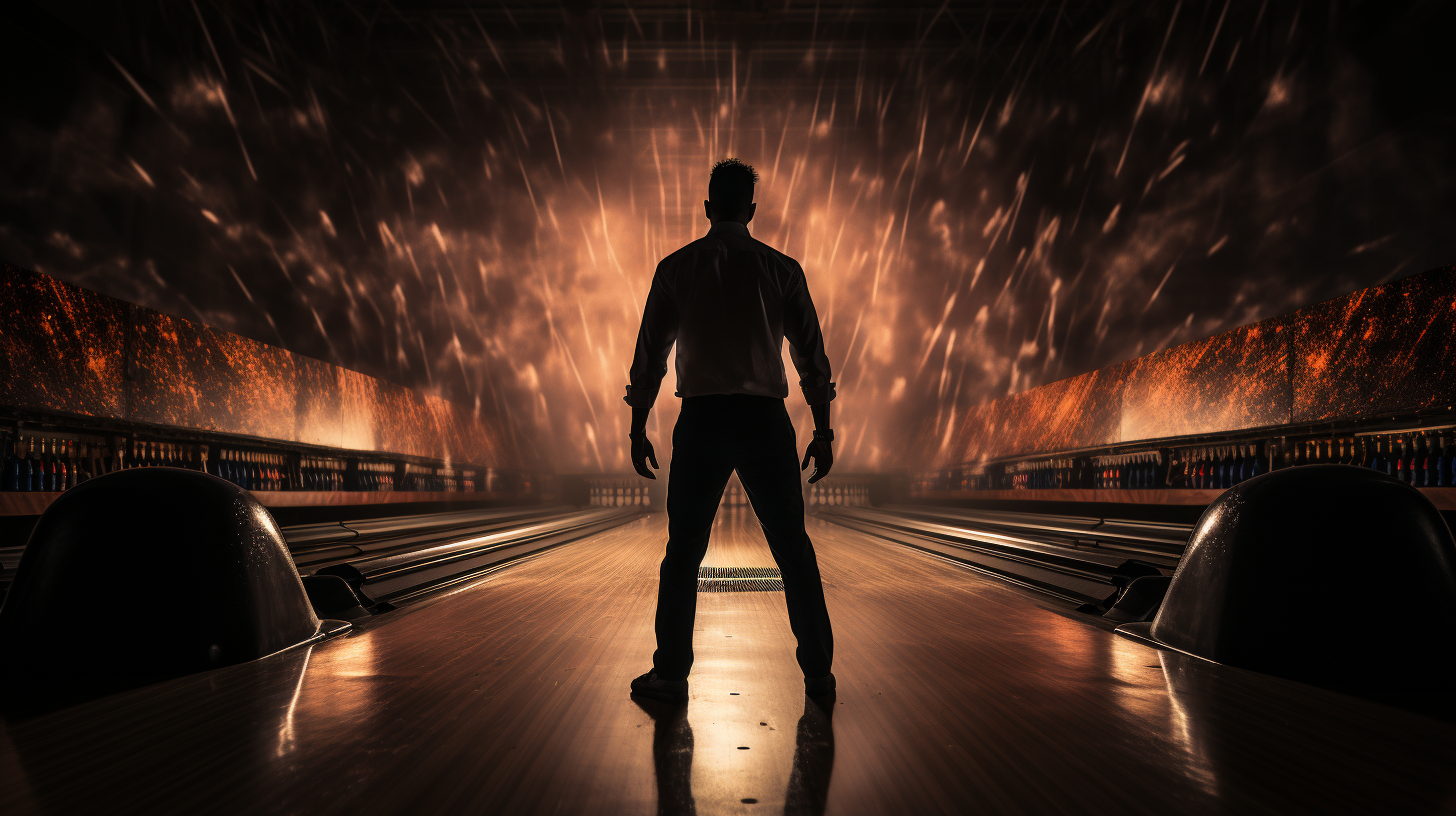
(740, 579)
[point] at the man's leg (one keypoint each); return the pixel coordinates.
(696, 477)
(768, 466)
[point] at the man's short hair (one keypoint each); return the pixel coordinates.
(730, 187)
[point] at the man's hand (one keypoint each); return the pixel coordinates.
(642, 453)
(822, 452)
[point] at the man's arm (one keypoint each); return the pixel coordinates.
(639, 419)
(821, 416)
(821, 447)
(806, 350)
(642, 451)
(649, 365)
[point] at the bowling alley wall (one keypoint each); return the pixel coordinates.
(75, 356)
(1378, 353)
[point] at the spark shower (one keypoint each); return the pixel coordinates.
(470, 198)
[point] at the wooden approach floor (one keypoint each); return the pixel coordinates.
(958, 694)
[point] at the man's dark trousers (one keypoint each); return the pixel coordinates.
(716, 435)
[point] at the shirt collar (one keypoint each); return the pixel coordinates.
(728, 226)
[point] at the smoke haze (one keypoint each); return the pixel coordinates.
(471, 200)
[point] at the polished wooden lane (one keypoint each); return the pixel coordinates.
(958, 694)
(33, 504)
(1443, 497)
(737, 540)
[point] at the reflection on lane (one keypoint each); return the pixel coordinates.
(1198, 767)
(672, 756)
(672, 759)
(147, 749)
(813, 759)
(1241, 730)
(286, 735)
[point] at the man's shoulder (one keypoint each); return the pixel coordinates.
(715, 244)
(675, 258)
(774, 254)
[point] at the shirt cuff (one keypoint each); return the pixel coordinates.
(819, 394)
(640, 397)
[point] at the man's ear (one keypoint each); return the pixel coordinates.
(707, 209)
(751, 209)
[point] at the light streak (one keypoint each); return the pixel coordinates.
(905, 210)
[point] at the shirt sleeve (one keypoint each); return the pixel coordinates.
(806, 343)
(654, 341)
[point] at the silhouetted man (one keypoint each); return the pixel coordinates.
(729, 302)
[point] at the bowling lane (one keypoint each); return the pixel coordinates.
(957, 694)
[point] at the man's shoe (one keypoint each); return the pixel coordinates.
(819, 686)
(653, 687)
